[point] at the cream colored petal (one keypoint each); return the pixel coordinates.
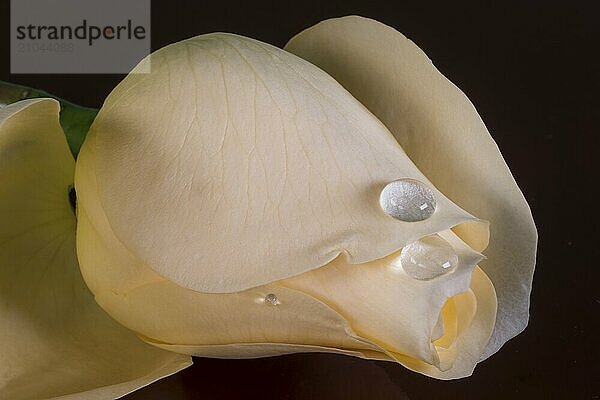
(235, 164)
(242, 325)
(167, 314)
(164, 313)
(55, 342)
(384, 304)
(313, 315)
(473, 331)
(440, 130)
(458, 312)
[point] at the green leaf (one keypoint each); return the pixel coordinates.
(75, 120)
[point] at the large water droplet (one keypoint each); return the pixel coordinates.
(428, 257)
(407, 200)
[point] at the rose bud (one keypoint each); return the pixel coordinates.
(238, 201)
(242, 201)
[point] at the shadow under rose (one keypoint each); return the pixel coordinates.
(296, 376)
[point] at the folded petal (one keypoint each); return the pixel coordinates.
(235, 164)
(240, 325)
(331, 309)
(167, 315)
(314, 313)
(388, 306)
(474, 313)
(440, 130)
(54, 339)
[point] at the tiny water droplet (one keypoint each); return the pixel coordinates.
(407, 200)
(428, 257)
(271, 299)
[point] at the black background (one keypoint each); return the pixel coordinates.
(530, 70)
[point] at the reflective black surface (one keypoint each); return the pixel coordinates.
(531, 71)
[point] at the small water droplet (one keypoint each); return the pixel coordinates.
(428, 257)
(271, 299)
(407, 200)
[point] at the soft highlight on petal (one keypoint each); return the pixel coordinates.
(438, 127)
(55, 342)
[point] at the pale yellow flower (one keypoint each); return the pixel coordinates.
(228, 205)
(54, 339)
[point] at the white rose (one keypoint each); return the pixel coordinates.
(236, 170)
(229, 204)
